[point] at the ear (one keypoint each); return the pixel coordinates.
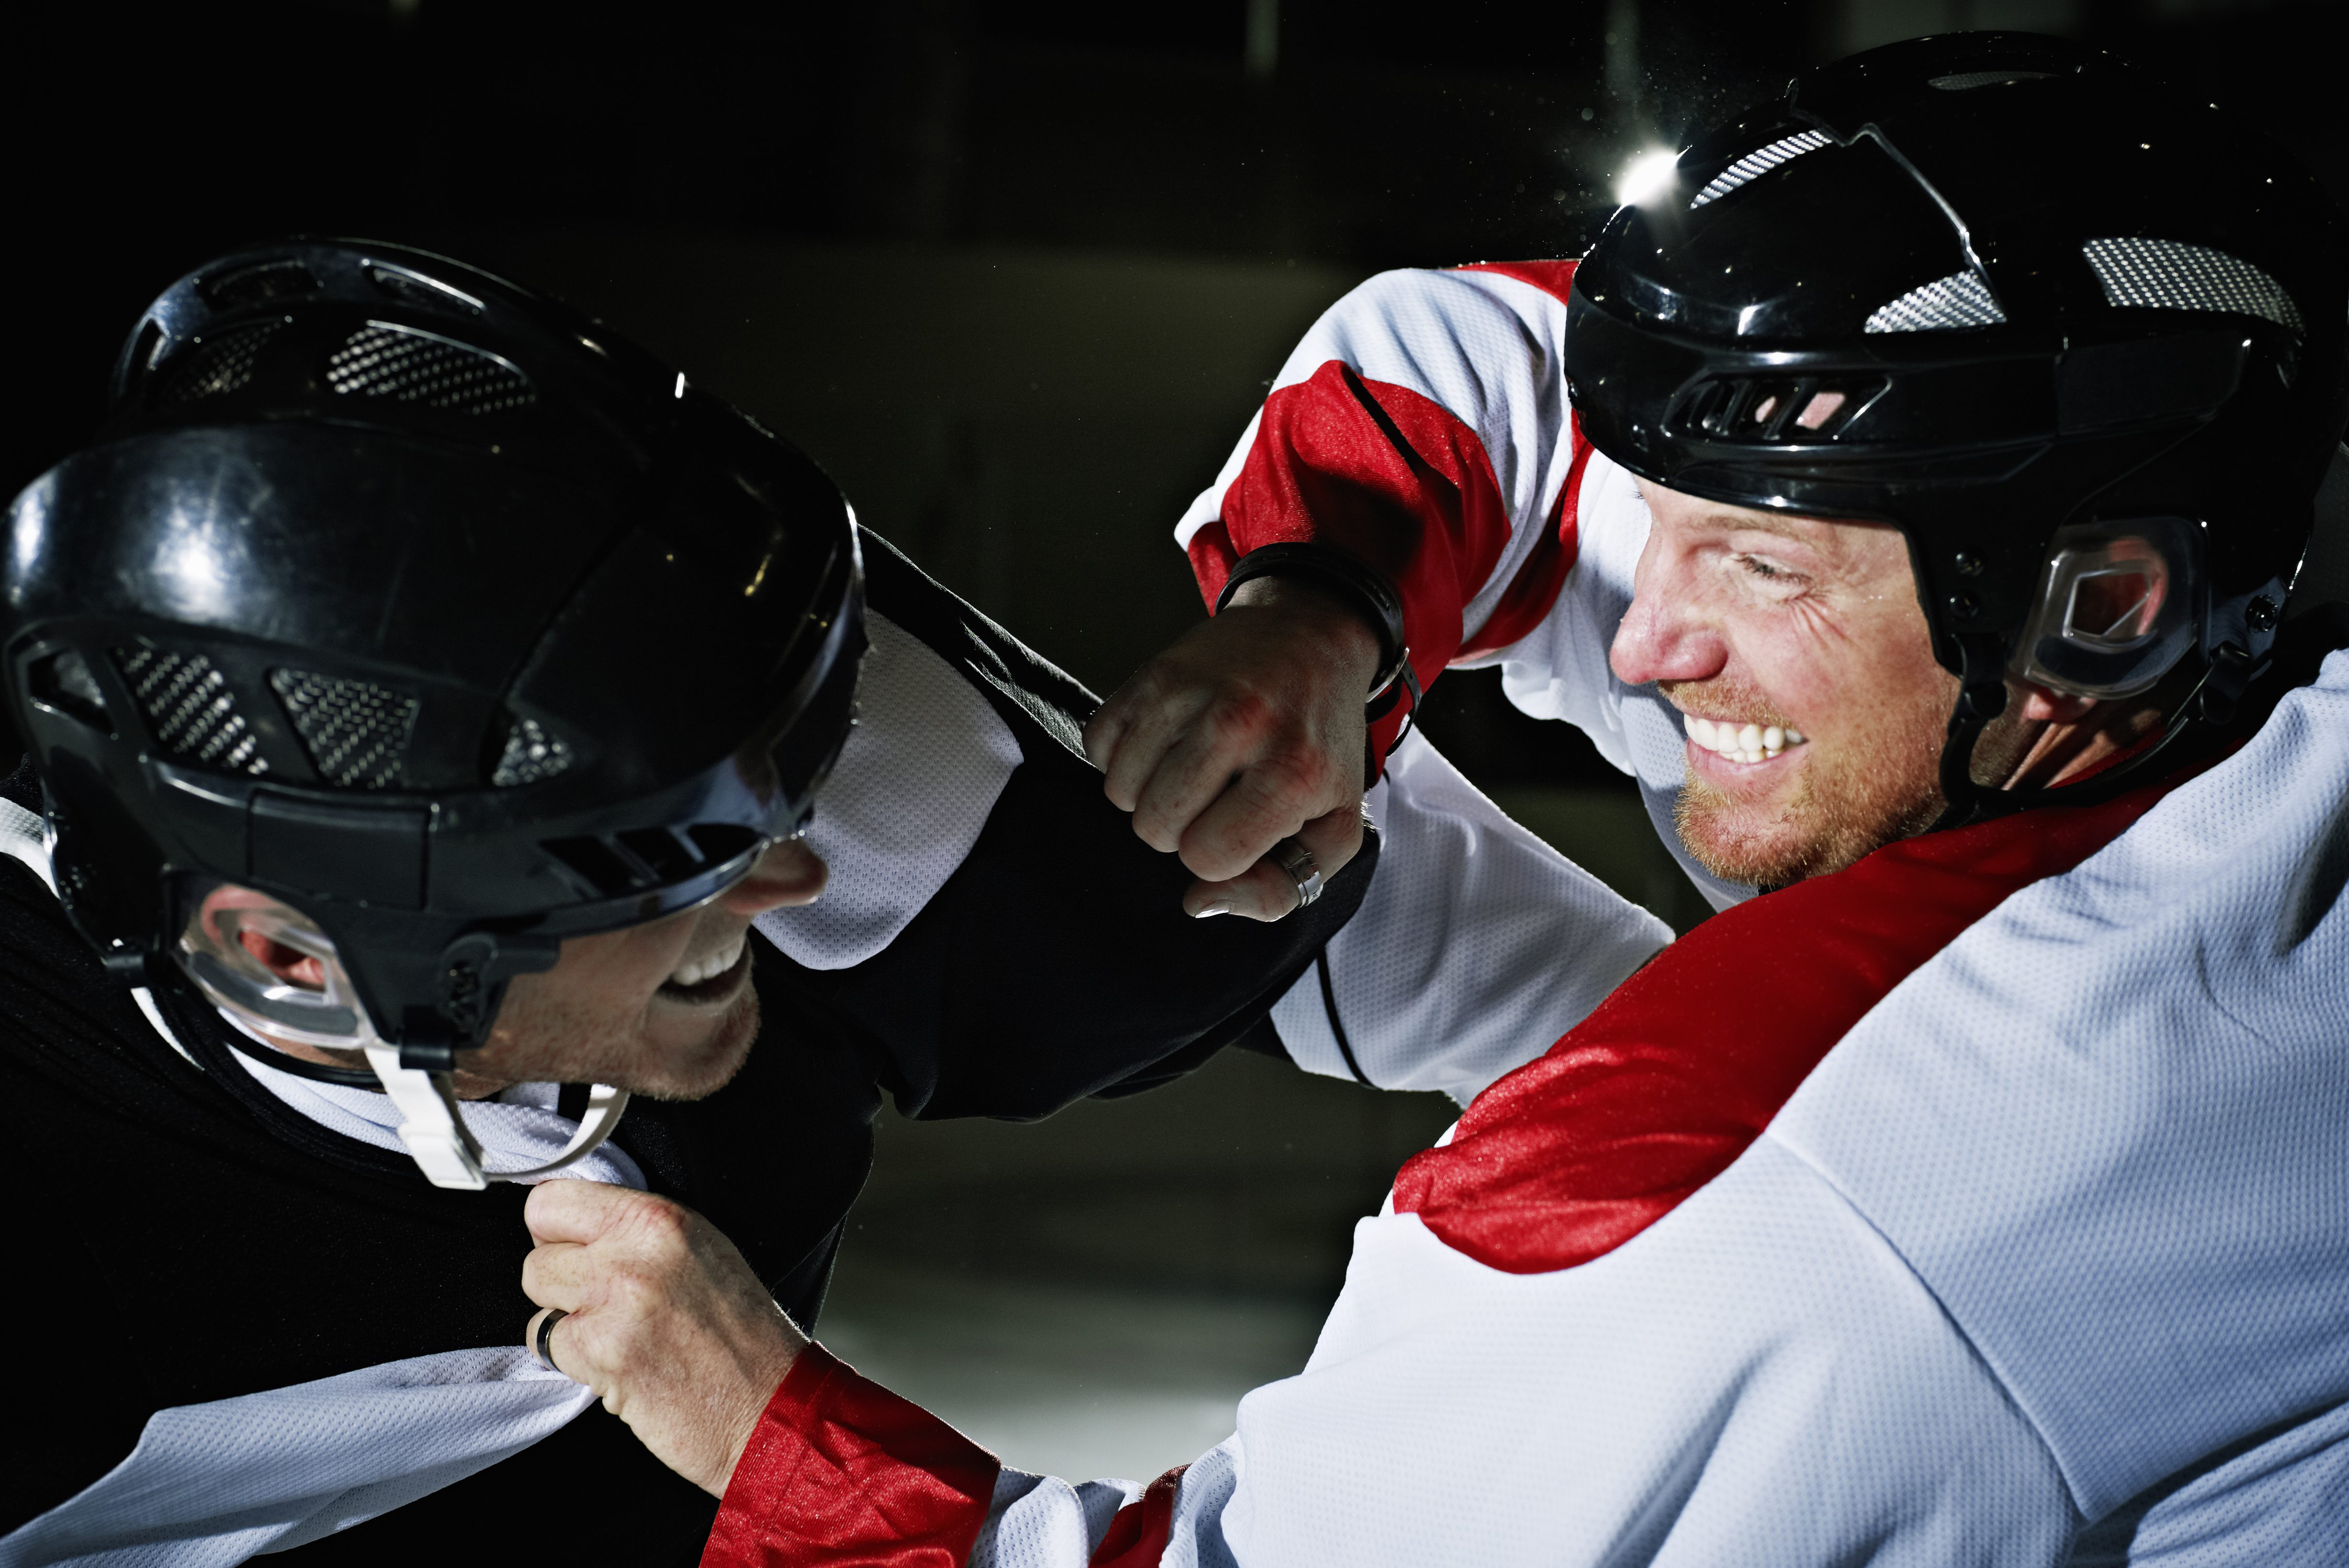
(290, 965)
(246, 913)
(2048, 705)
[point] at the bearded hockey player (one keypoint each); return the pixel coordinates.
(428, 695)
(1942, 445)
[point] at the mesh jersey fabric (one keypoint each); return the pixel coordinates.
(2046, 1257)
(905, 802)
(1476, 947)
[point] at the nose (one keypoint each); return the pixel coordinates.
(787, 875)
(1665, 635)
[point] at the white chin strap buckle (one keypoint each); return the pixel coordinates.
(444, 1147)
(430, 1122)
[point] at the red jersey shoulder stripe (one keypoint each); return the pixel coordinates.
(1553, 278)
(1676, 1074)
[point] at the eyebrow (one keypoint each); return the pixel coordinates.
(1769, 522)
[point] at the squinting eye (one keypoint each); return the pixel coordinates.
(1759, 567)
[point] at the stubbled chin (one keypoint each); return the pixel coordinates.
(1740, 840)
(681, 1058)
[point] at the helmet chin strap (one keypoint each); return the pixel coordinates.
(432, 1125)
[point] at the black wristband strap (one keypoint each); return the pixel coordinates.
(1355, 582)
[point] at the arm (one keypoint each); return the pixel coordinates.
(1477, 946)
(994, 929)
(1765, 1370)
(1421, 430)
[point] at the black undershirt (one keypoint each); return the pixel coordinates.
(182, 1236)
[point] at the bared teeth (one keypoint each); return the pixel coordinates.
(1740, 742)
(702, 970)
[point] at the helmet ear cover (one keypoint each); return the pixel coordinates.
(2114, 612)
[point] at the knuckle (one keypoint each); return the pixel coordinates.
(1240, 712)
(1284, 776)
(634, 1294)
(661, 1223)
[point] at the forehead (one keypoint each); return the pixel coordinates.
(1838, 539)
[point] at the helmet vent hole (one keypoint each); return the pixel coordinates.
(63, 681)
(634, 860)
(531, 752)
(667, 856)
(415, 288)
(1760, 162)
(1946, 304)
(721, 842)
(187, 704)
(355, 731)
(2164, 274)
(412, 366)
(1770, 408)
(257, 284)
(220, 364)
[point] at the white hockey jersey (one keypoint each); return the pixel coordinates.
(1984, 1203)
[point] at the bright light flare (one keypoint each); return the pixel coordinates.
(1649, 175)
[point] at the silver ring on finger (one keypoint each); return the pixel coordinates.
(542, 1343)
(1303, 870)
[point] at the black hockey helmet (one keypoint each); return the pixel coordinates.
(432, 608)
(2080, 338)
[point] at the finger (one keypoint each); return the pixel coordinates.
(1263, 892)
(1268, 800)
(1111, 719)
(1335, 838)
(1266, 890)
(1222, 772)
(558, 1274)
(566, 1211)
(1154, 722)
(542, 1337)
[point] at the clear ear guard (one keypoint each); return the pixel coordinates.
(214, 951)
(2116, 608)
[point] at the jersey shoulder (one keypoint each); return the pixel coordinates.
(1554, 278)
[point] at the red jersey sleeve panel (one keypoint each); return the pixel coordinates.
(1676, 1074)
(1404, 485)
(842, 1473)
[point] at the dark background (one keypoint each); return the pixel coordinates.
(1016, 273)
(1015, 270)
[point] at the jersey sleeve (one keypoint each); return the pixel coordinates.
(1422, 426)
(1475, 948)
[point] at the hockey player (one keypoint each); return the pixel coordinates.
(1943, 442)
(429, 694)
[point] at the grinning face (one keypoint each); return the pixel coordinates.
(663, 1010)
(1753, 621)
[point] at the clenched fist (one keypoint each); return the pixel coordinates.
(1247, 730)
(667, 1324)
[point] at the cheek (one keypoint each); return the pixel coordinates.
(620, 964)
(1797, 668)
